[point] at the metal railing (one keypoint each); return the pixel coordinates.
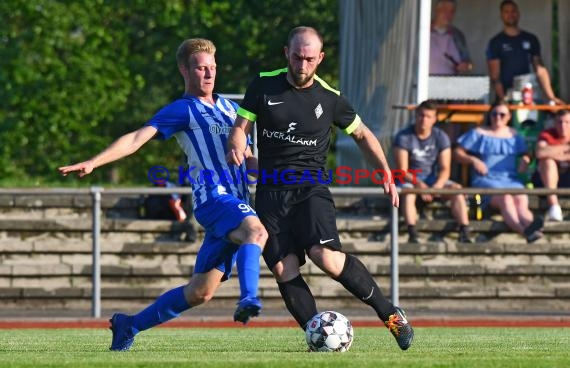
(96, 194)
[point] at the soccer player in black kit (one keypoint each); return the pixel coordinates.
(295, 112)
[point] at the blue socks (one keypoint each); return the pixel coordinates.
(248, 269)
(168, 306)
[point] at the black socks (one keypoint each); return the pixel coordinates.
(299, 300)
(356, 279)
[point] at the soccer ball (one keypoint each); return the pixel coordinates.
(329, 331)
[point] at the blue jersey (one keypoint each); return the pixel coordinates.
(202, 132)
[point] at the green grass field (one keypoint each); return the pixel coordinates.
(285, 347)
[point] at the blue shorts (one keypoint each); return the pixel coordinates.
(220, 217)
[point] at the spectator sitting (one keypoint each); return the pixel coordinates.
(493, 152)
(514, 52)
(553, 155)
(427, 150)
(169, 207)
(448, 49)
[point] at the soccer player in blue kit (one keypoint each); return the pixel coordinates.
(295, 112)
(201, 122)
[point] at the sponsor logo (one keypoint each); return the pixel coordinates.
(321, 241)
(220, 129)
(291, 127)
(284, 136)
(273, 103)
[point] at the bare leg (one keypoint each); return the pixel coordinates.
(409, 209)
(521, 204)
(549, 175)
(202, 286)
(506, 204)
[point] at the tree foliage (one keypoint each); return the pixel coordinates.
(75, 75)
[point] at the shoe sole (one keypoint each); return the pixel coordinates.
(244, 314)
(411, 333)
(409, 343)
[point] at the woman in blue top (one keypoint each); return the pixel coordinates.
(493, 153)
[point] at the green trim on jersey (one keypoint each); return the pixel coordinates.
(284, 70)
(246, 114)
(352, 127)
(326, 85)
(273, 72)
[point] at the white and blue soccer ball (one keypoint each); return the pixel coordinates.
(329, 331)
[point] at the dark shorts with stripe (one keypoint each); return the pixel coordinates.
(296, 220)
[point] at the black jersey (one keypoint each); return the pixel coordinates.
(515, 54)
(294, 127)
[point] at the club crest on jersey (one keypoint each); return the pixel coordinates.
(526, 45)
(318, 111)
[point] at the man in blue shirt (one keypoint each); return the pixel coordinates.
(201, 122)
(514, 52)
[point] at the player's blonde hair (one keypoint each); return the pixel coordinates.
(193, 46)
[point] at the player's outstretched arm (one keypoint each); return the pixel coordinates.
(237, 141)
(124, 146)
(374, 154)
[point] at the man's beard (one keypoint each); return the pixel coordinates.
(512, 23)
(300, 79)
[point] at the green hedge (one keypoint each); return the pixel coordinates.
(74, 75)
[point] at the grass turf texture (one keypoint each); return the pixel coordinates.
(285, 347)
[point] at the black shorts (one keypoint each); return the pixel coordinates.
(296, 220)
